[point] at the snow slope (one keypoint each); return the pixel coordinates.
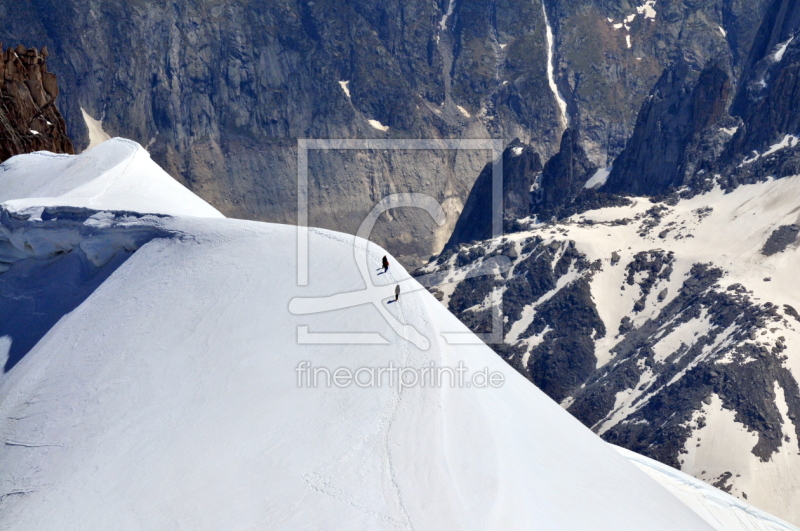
(97, 134)
(721, 510)
(169, 397)
(115, 175)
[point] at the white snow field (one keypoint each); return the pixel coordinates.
(115, 175)
(718, 508)
(169, 398)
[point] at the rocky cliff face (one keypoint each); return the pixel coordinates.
(678, 110)
(563, 177)
(29, 119)
(221, 91)
(522, 168)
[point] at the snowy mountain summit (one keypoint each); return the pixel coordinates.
(155, 378)
(115, 175)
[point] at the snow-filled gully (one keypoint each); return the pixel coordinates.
(562, 104)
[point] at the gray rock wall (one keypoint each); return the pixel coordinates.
(221, 91)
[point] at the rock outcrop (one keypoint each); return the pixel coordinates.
(29, 119)
(679, 108)
(521, 170)
(563, 177)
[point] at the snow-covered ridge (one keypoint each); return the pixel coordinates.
(721, 510)
(115, 175)
(170, 394)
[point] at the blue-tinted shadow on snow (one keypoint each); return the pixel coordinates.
(36, 293)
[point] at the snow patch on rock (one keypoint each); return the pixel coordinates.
(345, 88)
(562, 104)
(598, 179)
(648, 9)
(787, 141)
(377, 125)
(777, 56)
(443, 22)
(97, 134)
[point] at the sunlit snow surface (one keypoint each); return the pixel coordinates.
(169, 399)
(719, 509)
(115, 175)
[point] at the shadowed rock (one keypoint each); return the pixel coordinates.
(29, 119)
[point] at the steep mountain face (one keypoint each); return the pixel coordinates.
(668, 323)
(720, 121)
(612, 53)
(521, 169)
(29, 119)
(677, 111)
(563, 177)
(219, 92)
(669, 328)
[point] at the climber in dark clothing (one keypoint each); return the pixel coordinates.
(396, 292)
(385, 264)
